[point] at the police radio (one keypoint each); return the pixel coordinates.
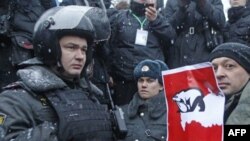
(119, 127)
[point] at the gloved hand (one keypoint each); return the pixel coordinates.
(183, 3)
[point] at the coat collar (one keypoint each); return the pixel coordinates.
(155, 106)
(240, 114)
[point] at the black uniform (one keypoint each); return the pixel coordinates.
(41, 104)
(46, 104)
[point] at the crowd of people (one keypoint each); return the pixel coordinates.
(64, 66)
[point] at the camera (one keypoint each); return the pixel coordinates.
(119, 126)
(149, 5)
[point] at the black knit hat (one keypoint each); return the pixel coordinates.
(236, 51)
(150, 68)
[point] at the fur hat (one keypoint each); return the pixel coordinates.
(236, 51)
(150, 68)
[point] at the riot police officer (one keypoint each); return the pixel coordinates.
(54, 101)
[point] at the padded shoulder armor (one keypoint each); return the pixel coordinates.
(39, 79)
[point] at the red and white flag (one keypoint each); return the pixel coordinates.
(195, 104)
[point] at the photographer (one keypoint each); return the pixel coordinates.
(145, 115)
(197, 23)
(138, 33)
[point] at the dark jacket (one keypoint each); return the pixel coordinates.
(125, 53)
(237, 27)
(240, 113)
(16, 46)
(146, 120)
(27, 12)
(190, 45)
(27, 113)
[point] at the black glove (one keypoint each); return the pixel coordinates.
(183, 3)
(80, 119)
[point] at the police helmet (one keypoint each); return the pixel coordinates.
(56, 23)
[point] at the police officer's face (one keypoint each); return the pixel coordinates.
(148, 87)
(230, 75)
(73, 55)
(236, 3)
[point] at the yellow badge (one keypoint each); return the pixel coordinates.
(2, 118)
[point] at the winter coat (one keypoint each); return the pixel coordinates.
(27, 114)
(190, 44)
(146, 120)
(240, 114)
(125, 53)
(238, 25)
